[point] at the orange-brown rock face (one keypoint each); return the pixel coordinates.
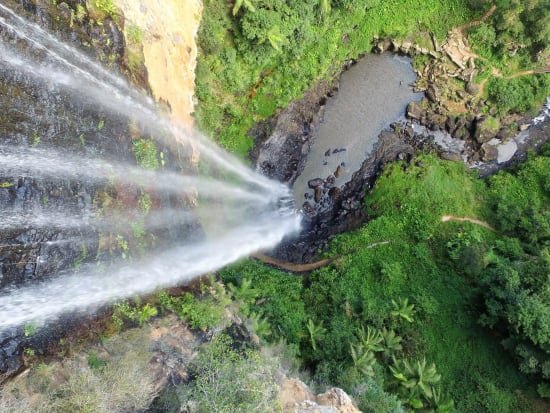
(168, 29)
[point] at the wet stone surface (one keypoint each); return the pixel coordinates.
(59, 222)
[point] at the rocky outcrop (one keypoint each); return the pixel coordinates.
(281, 151)
(53, 119)
(283, 141)
(296, 397)
(166, 33)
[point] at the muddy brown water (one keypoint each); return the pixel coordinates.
(373, 93)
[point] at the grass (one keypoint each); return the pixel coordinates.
(119, 380)
(432, 263)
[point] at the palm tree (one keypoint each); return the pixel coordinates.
(392, 343)
(415, 380)
(244, 294)
(315, 332)
(371, 339)
(363, 360)
(403, 309)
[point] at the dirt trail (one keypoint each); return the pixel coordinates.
(300, 268)
(477, 22)
(484, 224)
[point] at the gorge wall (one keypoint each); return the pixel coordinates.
(166, 31)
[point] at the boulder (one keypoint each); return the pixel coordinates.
(486, 129)
(472, 88)
(431, 94)
(295, 396)
(415, 111)
(318, 194)
(489, 152)
(451, 156)
(314, 183)
(337, 399)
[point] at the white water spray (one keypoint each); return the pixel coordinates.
(63, 67)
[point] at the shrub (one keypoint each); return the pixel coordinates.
(229, 381)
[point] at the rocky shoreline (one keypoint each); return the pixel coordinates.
(452, 121)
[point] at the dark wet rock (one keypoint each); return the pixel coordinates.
(50, 118)
(314, 183)
(330, 180)
(308, 209)
(327, 153)
(334, 193)
(338, 150)
(282, 142)
(318, 193)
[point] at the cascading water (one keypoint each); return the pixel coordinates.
(256, 212)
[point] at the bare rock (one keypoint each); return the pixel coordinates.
(338, 399)
(292, 393)
(296, 397)
(451, 156)
(415, 111)
(489, 152)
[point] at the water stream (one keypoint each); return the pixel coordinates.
(257, 213)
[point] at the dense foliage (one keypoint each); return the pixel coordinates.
(513, 40)
(516, 27)
(516, 281)
(257, 56)
(405, 299)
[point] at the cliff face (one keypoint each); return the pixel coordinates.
(167, 30)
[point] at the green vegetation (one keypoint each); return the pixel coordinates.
(521, 94)
(261, 55)
(85, 383)
(202, 312)
(514, 40)
(410, 314)
(228, 380)
(515, 282)
(146, 153)
(516, 34)
(105, 8)
(134, 34)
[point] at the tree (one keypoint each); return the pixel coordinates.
(240, 3)
(416, 380)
